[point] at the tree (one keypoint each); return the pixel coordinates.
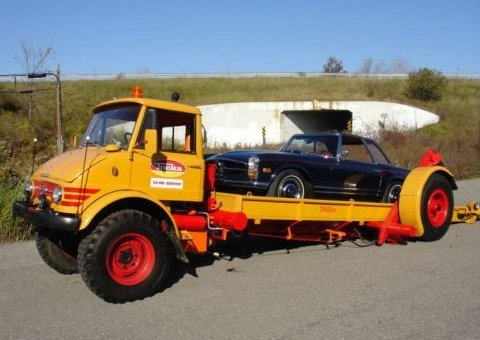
(367, 66)
(333, 65)
(426, 84)
(370, 66)
(399, 65)
(33, 59)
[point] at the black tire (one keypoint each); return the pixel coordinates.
(125, 258)
(58, 250)
(436, 207)
(392, 193)
(291, 184)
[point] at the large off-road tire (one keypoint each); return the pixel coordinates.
(436, 207)
(125, 258)
(291, 184)
(58, 250)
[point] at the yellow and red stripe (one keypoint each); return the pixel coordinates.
(74, 197)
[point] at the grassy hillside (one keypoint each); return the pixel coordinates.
(457, 136)
(25, 116)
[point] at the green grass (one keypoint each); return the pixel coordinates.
(456, 136)
(11, 230)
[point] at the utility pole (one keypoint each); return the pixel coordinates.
(59, 103)
(59, 112)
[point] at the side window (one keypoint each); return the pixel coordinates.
(294, 145)
(321, 147)
(357, 151)
(308, 145)
(377, 153)
(176, 131)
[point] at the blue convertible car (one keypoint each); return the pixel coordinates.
(326, 165)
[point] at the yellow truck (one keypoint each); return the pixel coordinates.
(137, 190)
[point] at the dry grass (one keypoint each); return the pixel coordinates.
(11, 230)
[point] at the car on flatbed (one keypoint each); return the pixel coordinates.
(326, 165)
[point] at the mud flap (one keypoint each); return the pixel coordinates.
(177, 245)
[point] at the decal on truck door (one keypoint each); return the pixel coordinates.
(166, 183)
(168, 168)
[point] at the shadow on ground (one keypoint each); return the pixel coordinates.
(236, 248)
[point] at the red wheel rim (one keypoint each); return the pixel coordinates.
(130, 259)
(437, 207)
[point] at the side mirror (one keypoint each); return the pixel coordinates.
(77, 139)
(344, 154)
(151, 141)
(204, 136)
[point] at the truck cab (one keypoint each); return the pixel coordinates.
(134, 148)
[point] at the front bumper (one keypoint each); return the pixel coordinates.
(45, 219)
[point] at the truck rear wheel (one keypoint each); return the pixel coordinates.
(125, 258)
(58, 250)
(436, 207)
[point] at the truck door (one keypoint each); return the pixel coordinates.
(174, 169)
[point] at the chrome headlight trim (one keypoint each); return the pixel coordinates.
(28, 191)
(252, 167)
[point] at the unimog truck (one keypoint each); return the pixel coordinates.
(137, 191)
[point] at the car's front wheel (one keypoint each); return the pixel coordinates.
(290, 184)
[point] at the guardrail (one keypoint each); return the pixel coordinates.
(118, 76)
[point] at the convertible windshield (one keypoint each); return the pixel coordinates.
(113, 125)
(311, 144)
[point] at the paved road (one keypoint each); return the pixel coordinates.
(414, 291)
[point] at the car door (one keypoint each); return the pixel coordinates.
(320, 164)
(355, 173)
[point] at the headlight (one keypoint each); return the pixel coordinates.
(28, 192)
(57, 194)
(252, 167)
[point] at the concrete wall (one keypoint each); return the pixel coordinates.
(252, 123)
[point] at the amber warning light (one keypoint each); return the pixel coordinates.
(137, 92)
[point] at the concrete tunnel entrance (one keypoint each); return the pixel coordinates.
(254, 123)
(308, 121)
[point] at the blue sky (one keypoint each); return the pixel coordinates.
(203, 36)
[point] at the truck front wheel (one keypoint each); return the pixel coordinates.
(125, 258)
(58, 250)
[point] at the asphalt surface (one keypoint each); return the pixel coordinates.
(266, 290)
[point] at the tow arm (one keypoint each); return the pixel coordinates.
(466, 214)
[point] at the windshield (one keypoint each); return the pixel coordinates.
(312, 144)
(113, 125)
